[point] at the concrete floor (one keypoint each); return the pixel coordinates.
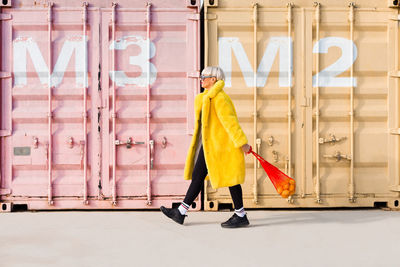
(136, 238)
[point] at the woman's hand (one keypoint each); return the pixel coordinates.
(246, 148)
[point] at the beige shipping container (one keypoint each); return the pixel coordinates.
(316, 89)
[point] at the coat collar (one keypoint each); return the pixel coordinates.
(217, 87)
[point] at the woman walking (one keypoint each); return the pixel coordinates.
(216, 150)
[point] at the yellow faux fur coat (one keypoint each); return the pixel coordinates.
(222, 138)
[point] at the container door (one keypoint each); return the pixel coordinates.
(150, 72)
(48, 110)
(254, 46)
(354, 156)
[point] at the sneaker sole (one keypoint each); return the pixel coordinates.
(236, 226)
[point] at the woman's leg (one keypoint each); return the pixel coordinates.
(198, 176)
(239, 219)
(237, 196)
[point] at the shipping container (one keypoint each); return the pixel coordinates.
(97, 102)
(316, 88)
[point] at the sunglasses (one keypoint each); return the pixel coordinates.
(204, 77)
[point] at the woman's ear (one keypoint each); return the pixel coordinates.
(214, 79)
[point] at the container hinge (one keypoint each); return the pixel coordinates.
(193, 16)
(4, 75)
(394, 131)
(5, 133)
(211, 16)
(394, 74)
(5, 16)
(193, 74)
(395, 188)
(306, 102)
(5, 191)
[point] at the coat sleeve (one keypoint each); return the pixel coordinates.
(227, 116)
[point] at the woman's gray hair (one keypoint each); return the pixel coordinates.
(214, 71)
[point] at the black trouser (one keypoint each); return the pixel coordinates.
(198, 176)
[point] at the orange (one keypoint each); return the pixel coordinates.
(291, 187)
(285, 193)
(286, 186)
(279, 189)
(292, 181)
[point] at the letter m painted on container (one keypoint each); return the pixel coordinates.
(24, 45)
(281, 44)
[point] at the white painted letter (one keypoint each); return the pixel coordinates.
(327, 77)
(141, 60)
(281, 44)
(22, 45)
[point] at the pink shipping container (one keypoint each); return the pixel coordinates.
(97, 102)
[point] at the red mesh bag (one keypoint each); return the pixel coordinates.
(284, 185)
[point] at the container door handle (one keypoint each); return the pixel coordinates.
(151, 154)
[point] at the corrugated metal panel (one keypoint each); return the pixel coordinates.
(324, 102)
(125, 146)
